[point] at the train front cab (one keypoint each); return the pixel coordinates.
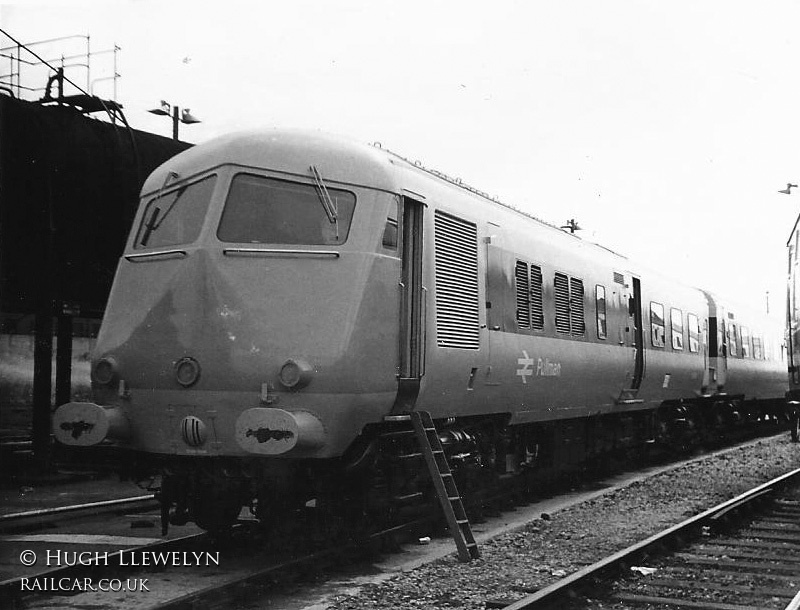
(245, 349)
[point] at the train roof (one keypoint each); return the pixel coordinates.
(339, 159)
(349, 161)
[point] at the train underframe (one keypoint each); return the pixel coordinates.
(383, 475)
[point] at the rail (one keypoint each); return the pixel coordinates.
(21, 520)
(552, 595)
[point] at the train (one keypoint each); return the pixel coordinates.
(793, 329)
(286, 297)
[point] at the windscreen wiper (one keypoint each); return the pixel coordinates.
(154, 222)
(150, 226)
(325, 199)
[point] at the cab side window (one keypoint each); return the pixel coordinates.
(390, 234)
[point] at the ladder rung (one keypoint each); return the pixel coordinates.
(408, 456)
(445, 483)
(390, 418)
(392, 433)
(408, 497)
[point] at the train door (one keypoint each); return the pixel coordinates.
(499, 288)
(708, 371)
(412, 306)
(717, 349)
(638, 334)
(722, 355)
(635, 338)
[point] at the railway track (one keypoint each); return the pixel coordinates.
(38, 519)
(742, 554)
(77, 542)
(257, 581)
(237, 578)
(82, 557)
(234, 576)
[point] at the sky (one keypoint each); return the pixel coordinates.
(664, 128)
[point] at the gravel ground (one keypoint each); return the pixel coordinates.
(549, 548)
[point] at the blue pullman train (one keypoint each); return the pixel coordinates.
(283, 294)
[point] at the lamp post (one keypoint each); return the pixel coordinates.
(178, 116)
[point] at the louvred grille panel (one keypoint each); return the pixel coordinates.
(456, 248)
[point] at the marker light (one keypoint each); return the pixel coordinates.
(296, 373)
(187, 371)
(105, 370)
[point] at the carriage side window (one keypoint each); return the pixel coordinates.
(694, 333)
(732, 351)
(261, 210)
(569, 304)
(175, 217)
(530, 308)
(600, 303)
(676, 324)
(745, 341)
(657, 332)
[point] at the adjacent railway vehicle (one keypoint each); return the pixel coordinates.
(793, 329)
(283, 295)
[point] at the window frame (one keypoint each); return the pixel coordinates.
(654, 326)
(287, 183)
(391, 229)
(697, 337)
(744, 335)
(732, 329)
(679, 345)
(601, 318)
(148, 202)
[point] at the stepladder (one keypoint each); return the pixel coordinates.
(445, 485)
